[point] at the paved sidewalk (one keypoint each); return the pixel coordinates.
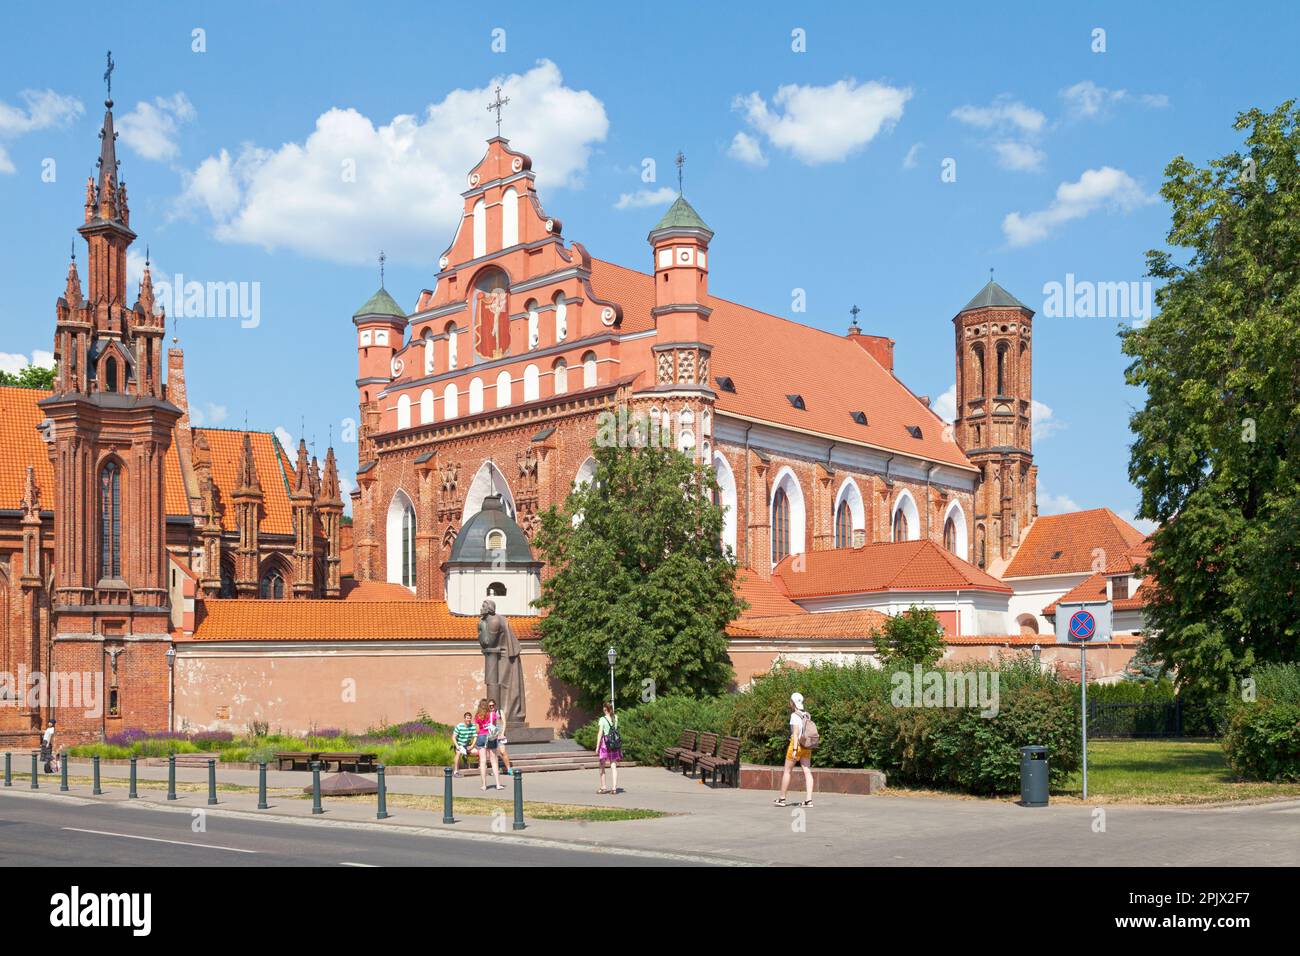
(743, 826)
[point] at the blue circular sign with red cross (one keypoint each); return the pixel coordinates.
(1083, 626)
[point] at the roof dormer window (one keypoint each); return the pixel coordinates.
(796, 401)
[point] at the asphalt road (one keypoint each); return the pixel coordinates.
(40, 832)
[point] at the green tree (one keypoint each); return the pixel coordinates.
(637, 566)
(913, 637)
(1217, 446)
(1144, 667)
(33, 376)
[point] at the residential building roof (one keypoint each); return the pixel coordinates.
(1068, 543)
(888, 566)
(1094, 587)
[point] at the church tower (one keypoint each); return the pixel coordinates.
(994, 423)
(109, 429)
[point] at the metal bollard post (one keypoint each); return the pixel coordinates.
(171, 776)
(36, 784)
(9, 770)
(132, 793)
(315, 787)
(261, 785)
(63, 773)
(382, 812)
(96, 790)
(446, 796)
(519, 800)
(212, 782)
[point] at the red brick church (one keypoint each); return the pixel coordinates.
(207, 579)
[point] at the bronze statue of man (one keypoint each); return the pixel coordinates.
(502, 671)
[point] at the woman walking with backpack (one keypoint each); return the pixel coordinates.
(609, 747)
(803, 737)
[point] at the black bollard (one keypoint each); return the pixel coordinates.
(382, 812)
(446, 796)
(96, 790)
(261, 785)
(63, 773)
(212, 782)
(9, 770)
(171, 776)
(519, 800)
(35, 778)
(131, 792)
(315, 787)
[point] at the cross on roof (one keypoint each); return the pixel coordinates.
(854, 312)
(496, 105)
(382, 259)
(680, 161)
(108, 76)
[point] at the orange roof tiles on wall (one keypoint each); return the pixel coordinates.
(329, 620)
(1067, 543)
(21, 445)
(273, 469)
(833, 624)
(763, 597)
(894, 566)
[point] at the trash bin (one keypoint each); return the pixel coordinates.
(1033, 776)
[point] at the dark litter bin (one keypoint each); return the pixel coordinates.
(1033, 776)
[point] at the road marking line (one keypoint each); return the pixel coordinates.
(132, 836)
(345, 863)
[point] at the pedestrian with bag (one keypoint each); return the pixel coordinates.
(486, 742)
(609, 747)
(803, 741)
(499, 722)
(47, 748)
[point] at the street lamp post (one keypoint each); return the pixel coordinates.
(613, 656)
(171, 688)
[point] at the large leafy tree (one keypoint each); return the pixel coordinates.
(1217, 450)
(33, 376)
(637, 565)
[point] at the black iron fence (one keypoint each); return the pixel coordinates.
(1162, 719)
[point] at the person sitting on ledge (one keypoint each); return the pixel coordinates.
(462, 738)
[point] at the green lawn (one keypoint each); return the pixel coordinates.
(1165, 771)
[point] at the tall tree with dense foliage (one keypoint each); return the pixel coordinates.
(33, 376)
(637, 565)
(1217, 449)
(913, 637)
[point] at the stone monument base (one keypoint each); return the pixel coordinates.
(529, 735)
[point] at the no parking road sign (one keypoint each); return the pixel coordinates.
(1083, 623)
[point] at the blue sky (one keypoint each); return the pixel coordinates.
(818, 170)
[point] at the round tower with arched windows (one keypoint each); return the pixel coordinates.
(994, 418)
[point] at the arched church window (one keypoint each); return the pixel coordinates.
(110, 520)
(509, 218)
(589, 370)
(453, 360)
(780, 525)
(450, 401)
(503, 390)
(1002, 368)
(900, 526)
(428, 352)
(404, 411)
(561, 369)
(843, 525)
(950, 536)
(561, 318)
(271, 585)
(534, 325)
(227, 581)
(496, 540)
(496, 589)
(532, 383)
(476, 395)
(426, 406)
(977, 353)
(480, 229)
(110, 375)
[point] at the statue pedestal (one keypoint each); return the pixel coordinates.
(529, 735)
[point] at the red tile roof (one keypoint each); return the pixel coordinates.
(769, 357)
(22, 446)
(861, 623)
(1094, 587)
(273, 471)
(375, 591)
(237, 619)
(891, 566)
(765, 599)
(1068, 543)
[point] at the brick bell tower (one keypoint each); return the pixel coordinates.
(994, 424)
(109, 429)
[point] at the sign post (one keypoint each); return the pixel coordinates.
(1083, 623)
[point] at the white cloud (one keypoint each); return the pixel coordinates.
(1020, 157)
(1002, 113)
(150, 129)
(824, 124)
(409, 173)
(6, 164)
(1050, 504)
(45, 108)
(207, 413)
(1087, 100)
(288, 443)
(1155, 101)
(910, 160)
(1096, 188)
(1042, 423)
(646, 197)
(747, 149)
(135, 272)
(945, 406)
(13, 363)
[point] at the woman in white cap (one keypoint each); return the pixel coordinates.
(796, 752)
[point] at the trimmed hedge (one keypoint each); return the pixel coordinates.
(1262, 740)
(648, 728)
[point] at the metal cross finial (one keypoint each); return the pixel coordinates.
(74, 250)
(146, 257)
(680, 161)
(990, 273)
(382, 259)
(496, 105)
(108, 76)
(854, 312)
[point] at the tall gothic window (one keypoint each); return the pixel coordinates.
(110, 520)
(400, 532)
(843, 526)
(950, 536)
(110, 375)
(408, 548)
(1002, 368)
(780, 525)
(227, 581)
(900, 525)
(978, 353)
(272, 584)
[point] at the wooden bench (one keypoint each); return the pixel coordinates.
(295, 757)
(685, 744)
(725, 764)
(707, 747)
(359, 762)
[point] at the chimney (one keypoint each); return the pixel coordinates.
(878, 347)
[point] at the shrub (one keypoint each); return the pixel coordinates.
(424, 751)
(650, 727)
(1262, 739)
(913, 637)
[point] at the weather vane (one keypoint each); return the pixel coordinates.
(382, 259)
(680, 161)
(496, 105)
(108, 76)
